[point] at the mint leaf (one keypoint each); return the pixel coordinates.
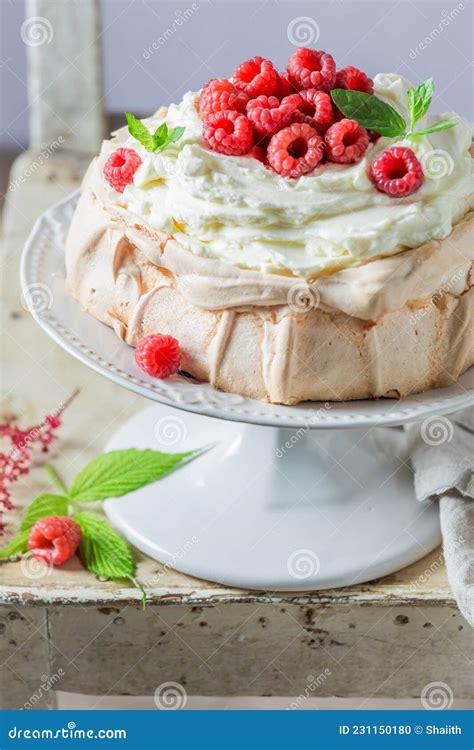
(119, 472)
(156, 141)
(161, 135)
(18, 544)
(104, 552)
(139, 131)
(419, 100)
(441, 125)
(370, 112)
(42, 506)
(175, 134)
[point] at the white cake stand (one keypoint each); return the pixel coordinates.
(306, 497)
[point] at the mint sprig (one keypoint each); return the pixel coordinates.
(379, 116)
(153, 142)
(112, 474)
(419, 100)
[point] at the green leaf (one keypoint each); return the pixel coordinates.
(161, 135)
(139, 131)
(370, 112)
(104, 552)
(156, 141)
(419, 100)
(441, 125)
(42, 506)
(18, 544)
(118, 472)
(175, 134)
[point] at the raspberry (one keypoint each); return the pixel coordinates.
(120, 168)
(311, 69)
(316, 108)
(346, 141)
(285, 88)
(257, 152)
(397, 172)
(54, 539)
(158, 355)
(355, 79)
(257, 77)
(295, 150)
(218, 95)
(268, 115)
(229, 133)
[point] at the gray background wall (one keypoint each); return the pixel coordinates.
(155, 50)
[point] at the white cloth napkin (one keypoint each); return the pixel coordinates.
(442, 455)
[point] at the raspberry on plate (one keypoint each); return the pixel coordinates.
(158, 355)
(295, 150)
(355, 79)
(229, 133)
(268, 115)
(218, 95)
(317, 110)
(397, 172)
(312, 69)
(346, 142)
(120, 168)
(54, 539)
(257, 77)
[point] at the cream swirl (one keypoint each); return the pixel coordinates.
(236, 210)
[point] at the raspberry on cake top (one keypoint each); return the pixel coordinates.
(297, 173)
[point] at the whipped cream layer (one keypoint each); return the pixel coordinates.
(235, 210)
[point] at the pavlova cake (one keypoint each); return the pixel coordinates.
(293, 235)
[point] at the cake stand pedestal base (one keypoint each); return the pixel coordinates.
(275, 509)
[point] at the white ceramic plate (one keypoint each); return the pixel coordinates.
(96, 345)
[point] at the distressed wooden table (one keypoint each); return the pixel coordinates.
(67, 630)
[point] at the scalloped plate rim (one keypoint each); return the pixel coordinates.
(207, 400)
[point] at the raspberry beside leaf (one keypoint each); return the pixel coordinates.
(355, 79)
(346, 142)
(397, 172)
(54, 539)
(54, 536)
(120, 168)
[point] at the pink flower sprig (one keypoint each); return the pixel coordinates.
(24, 444)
